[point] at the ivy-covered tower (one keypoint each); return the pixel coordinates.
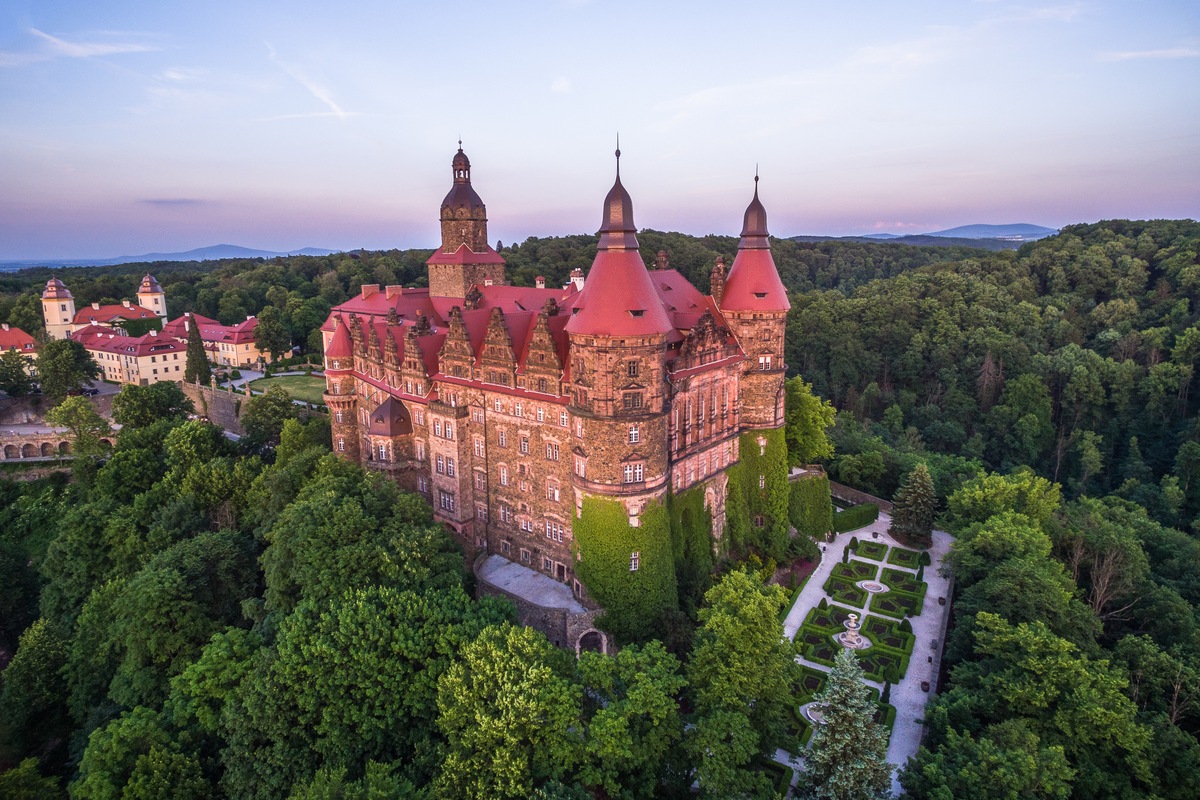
(465, 259)
(755, 304)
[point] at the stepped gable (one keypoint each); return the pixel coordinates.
(753, 283)
(618, 298)
(405, 304)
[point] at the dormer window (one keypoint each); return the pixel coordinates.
(760, 295)
(637, 312)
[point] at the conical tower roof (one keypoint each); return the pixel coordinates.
(618, 298)
(340, 346)
(753, 283)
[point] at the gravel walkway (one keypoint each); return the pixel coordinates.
(907, 696)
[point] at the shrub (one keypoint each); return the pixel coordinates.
(845, 554)
(236, 375)
(905, 625)
(824, 604)
(886, 697)
(854, 543)
(921, 573)
(924, 560)
(855, 517)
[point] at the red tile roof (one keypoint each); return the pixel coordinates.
(109, 314)
(211, 331)
(95, 337)
(16, 339)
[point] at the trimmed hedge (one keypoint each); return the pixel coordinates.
(903, 557)
(632, 601)
(810, 506)
(855, 517)
(872, 550)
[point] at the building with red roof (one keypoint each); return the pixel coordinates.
(139, 360)
(507, 406)
(16, 339)
(226, 345)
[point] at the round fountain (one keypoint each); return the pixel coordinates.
(815, 712)
(872, 587)
(850, 638)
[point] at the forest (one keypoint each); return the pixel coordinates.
(216, 619)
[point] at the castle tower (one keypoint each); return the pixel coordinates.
(58, 309)
(150, 295)
(339, 392)
(756, 305)
(465, 258)
(619, 337)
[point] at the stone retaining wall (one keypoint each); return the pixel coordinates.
(222, 406)
(856, 497)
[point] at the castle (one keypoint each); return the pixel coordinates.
(508, 407)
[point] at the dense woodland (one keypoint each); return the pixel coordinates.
(228, 635)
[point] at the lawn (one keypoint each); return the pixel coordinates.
(308, 388)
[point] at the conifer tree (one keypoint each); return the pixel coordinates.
(848, 756)
(197, 369)
(912, 516)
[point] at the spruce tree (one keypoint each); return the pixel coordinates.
(912, 515)
(847, 759)
(197, 369)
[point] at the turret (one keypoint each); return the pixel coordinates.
(58, 309)
(150, 295)
(464, 259)
(339, 391)
(619, 334)
(755, 304)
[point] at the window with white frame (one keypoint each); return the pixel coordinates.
(437, 427)
(554, 531)
(563, 418)
(480, 482)
(497, 405)
(449, 431)
(420, 415)
(504, 438)
(420, 450)
(635, 559)
(517, 410)
(338, 416)
(633, 473)
(541, 414)
(422, 484)
(503, 475)
(524, 444)
(764, 362)
(762, 481)
(552, 451)
(581, 466)
(635, 435)
(579, 428)
(479, 446)
(449, 467)
(505, 513)
(552, 492)
(383, 452)
(526, 525)
(441, 465)
(341, 445)
(445, 501)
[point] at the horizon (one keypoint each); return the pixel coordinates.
(146, 129)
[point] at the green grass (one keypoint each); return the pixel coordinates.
(307, 388)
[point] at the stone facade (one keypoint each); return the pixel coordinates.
(507, 406)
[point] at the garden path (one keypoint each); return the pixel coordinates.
(928, 628)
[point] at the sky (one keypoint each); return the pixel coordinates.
(129, 127)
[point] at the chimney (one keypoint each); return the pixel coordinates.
(660, 260)
(124, 303)
(153, 332)
(96, 306)
(393, 291)
(540, 281)
(5, 326)
(369, 289)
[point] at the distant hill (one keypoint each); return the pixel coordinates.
(212, 253)
(1019, 232)
(918, 240)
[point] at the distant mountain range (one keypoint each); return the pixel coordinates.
(1018, 232)
(212, 253)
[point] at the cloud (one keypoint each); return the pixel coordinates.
(172, 202)
(1134, 55)
(560, 85)
(61, 47)
(53, 47)
(180, 74)
(314, 88)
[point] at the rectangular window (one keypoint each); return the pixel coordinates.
(420, 451)
(437, 427)
(562, 418)
(526, 526)
(632, 369)
(450, 467)
(503, 475)
(441, 465)
(634, 561)
(383, 452)
(481, 513)
(547, 564)
(517, 410)
(505, 514)
(633, 400)
(581, 466)
(422, 484)
(497, 405)
(551, 490)
(476, 415)
(524, 444)
(542, 387)
(552, 451)
(504, 438)
(764, 362)
(480, 482)
(478, 446)
(634, 434)
(505, 547)
(341, 445)
(445, 501)
(541, 412)
(420, 416)
(524, 555)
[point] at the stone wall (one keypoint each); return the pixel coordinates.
(221, 406)
(856, 497)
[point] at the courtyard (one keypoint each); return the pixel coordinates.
(898, 607)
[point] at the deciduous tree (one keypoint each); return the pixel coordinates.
(64, 366)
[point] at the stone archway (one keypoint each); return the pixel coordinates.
(592, 640)
(64, 448)
(29, 451)
(47, 449)
(11, 451)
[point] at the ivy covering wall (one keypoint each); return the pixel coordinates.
(810, 507)
(750, 498)
(691, 542)
(632, 600)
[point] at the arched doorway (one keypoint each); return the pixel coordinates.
(593, 641)
(29, 451)
(11, 451)
(47, 449)
(64, 448)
